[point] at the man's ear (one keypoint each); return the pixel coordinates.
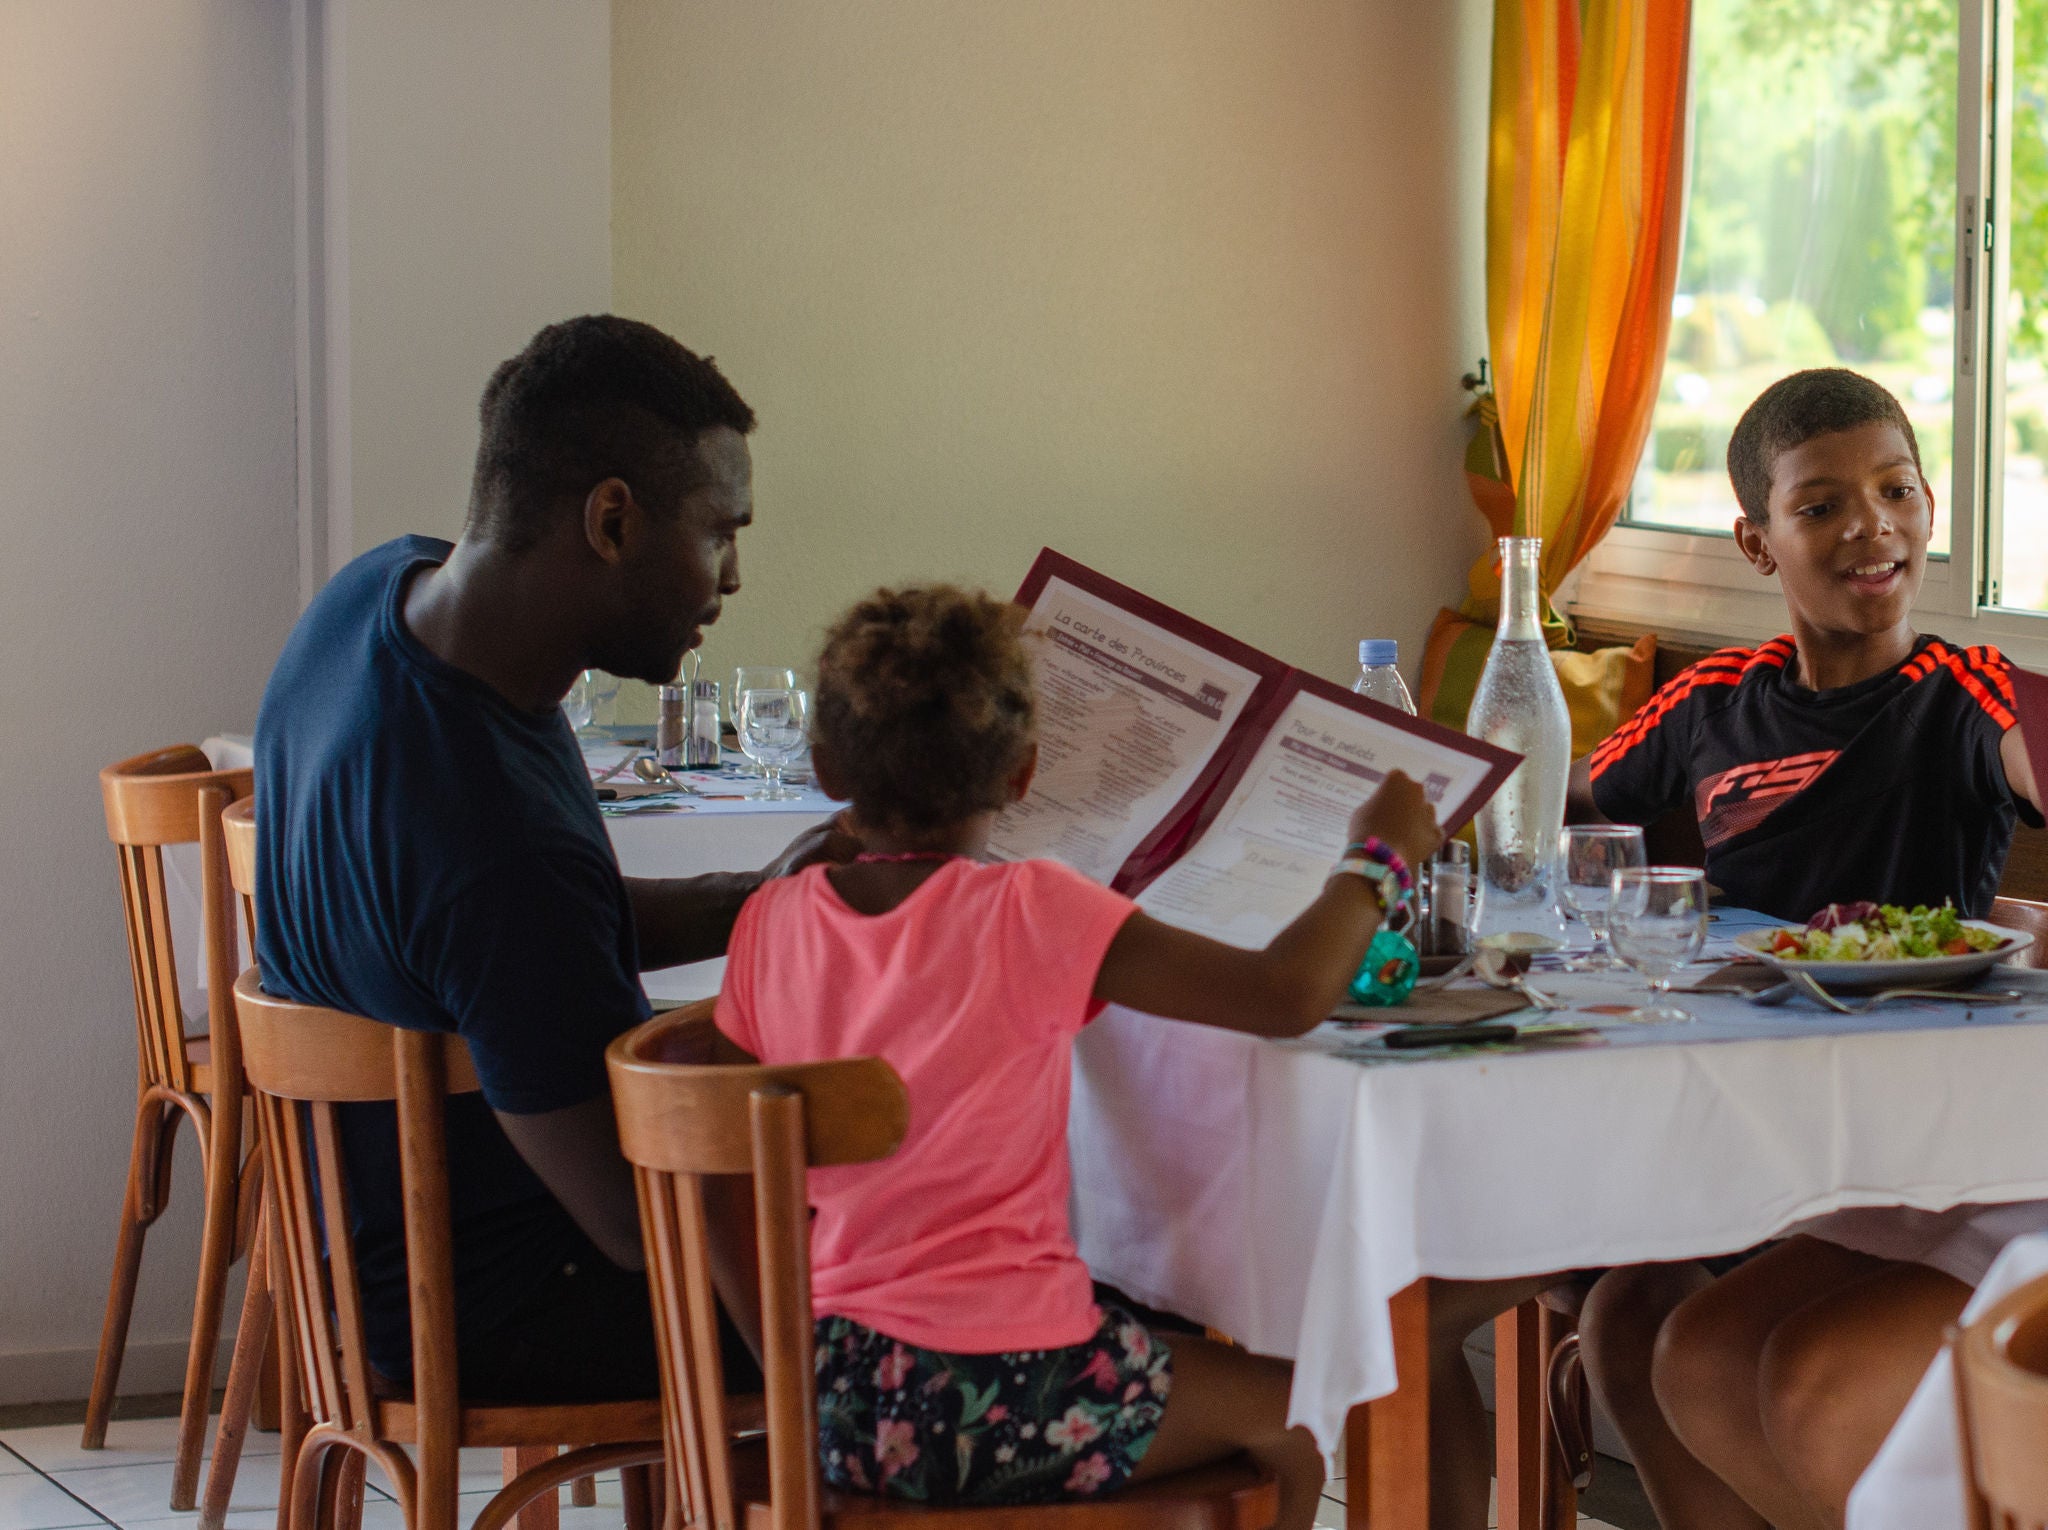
(1755, 546)
(1020, 778)
(607, 510)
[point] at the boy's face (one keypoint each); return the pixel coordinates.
(1850, 516)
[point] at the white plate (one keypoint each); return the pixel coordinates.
(1903, 972)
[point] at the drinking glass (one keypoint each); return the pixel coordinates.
(1657, 920)
(756, 677)
(1592, 853)
(577, 705)
(771, 728)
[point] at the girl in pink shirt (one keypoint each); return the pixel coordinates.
(961, 1354)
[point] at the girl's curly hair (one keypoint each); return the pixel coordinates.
(926, 705)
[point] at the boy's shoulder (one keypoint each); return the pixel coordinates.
(1717, 677)
(1980, 671)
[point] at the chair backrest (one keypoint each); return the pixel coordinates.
(2002, 1401)
(174, 797)
(303, 1063)
(238, 825)
(2021, 914)
(682, 1118)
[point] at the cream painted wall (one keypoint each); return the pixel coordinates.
(1181, 287)
(469, 199)
(147, 489)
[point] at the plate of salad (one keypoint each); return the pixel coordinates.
(1853, 945)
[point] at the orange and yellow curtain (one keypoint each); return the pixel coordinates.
(1584, 201)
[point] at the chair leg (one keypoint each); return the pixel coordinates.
(642, 1489)
(252, 1340)
(583, 1493)
(142, 1200)
(216, 1252)
(292, 1420)
(544, 1513)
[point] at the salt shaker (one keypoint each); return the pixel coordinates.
(670, 734)
(700, 745)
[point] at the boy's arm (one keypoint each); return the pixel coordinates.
(1579, 806)
(2019, 768)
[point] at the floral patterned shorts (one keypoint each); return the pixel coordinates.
(1033, 1426)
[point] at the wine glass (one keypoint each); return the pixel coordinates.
(1592, 853)
(756, 677)
(771, 728)
(578, 705)
(1657, 921)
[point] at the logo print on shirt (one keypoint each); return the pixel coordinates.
(1740, 798)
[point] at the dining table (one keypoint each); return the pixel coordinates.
(1302, 1196)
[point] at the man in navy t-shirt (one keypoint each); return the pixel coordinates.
(431, 853)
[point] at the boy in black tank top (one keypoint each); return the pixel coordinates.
(1852, 758)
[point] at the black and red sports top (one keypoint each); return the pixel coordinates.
(1890, 789)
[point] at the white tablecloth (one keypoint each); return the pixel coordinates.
(1286, 1192)
(1916, 1482)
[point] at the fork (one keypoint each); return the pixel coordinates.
(1811, 986)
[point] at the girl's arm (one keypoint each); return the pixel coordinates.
(1290, 987)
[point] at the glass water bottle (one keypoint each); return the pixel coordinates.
(1520, 706)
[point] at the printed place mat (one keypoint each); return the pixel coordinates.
(1437, 1006)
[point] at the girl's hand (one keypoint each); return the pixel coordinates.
(1399, 814)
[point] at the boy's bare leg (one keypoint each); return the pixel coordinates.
(1225, 1400)
(1709, 1360)
(1617, 1337)
(1461, 1438)
(1838, 1373)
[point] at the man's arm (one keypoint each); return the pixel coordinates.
(575, 1151)
(689, 919)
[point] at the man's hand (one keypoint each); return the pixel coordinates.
(832, 842)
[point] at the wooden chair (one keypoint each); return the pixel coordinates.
(2023, 914)
(264, 1317)
(303, 1063)
(2001, 1368)
(681, 1119)
(174, 797)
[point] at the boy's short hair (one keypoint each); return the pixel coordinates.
(589, 399)
(1791, 412)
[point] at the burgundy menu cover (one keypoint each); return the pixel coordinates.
(1191, 770)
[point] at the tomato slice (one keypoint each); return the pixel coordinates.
(1957, 947)
(1784, 941)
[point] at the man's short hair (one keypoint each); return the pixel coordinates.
(589, 399)
(1791, 412)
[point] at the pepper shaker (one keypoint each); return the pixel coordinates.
(670, 734)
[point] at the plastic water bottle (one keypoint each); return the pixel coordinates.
(1378, 679)
(1520, 706)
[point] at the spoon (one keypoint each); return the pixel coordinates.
(1493, 968)
(1445, 979)
(650, 770)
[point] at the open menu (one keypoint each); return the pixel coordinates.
(1208, 780)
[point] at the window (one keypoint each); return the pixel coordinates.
(1868, 188)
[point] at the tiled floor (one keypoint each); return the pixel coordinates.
(48, 1483)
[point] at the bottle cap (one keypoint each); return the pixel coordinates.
(1373, 652)
(704, 690)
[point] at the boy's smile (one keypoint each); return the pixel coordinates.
(1850, 515)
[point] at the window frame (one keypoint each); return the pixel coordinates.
(1693, 582)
